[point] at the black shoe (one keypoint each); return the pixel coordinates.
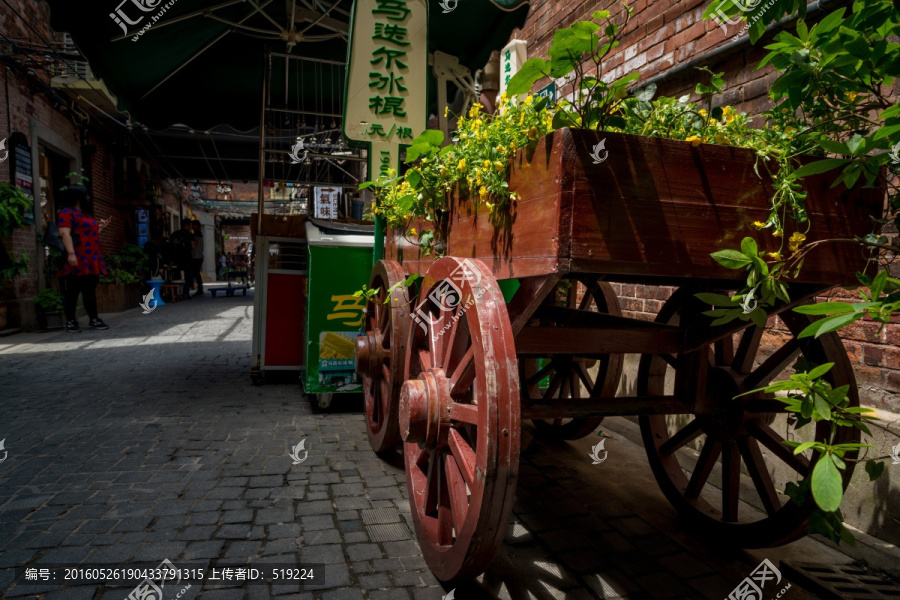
(98, 324)
(72, 327)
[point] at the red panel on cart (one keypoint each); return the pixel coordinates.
(285, 320)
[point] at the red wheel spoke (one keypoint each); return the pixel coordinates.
(686, 434)
(705, 463)
(456, 487)
(747, 349)
(464, 373)
(773, 365)
(445, 515)
(464, 455)
(731, 482)
(385, 373)
(433, 486)
(756, 467)
(464, 413)
(771, 440)
(424, 359)
(446, 343)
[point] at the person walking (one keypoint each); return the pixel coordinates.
(84, 264)
(197, 256)
(184, 246)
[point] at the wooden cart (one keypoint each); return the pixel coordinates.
(452, 372)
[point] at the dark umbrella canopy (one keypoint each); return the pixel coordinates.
(201, 62)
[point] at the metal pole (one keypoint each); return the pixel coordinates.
(261, 206)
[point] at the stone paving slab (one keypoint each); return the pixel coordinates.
(147, 442)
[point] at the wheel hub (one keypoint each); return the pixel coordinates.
(369, 354)
(425, 409)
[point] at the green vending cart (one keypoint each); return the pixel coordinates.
(340, 260)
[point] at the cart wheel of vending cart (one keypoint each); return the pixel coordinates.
(569, 377)
(459, 418)
(729, 429)
(380, 353)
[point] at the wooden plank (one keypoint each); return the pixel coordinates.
(654, 208)
(586, 341)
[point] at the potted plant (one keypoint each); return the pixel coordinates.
(50, 309)
(120, 289)
(13, 206)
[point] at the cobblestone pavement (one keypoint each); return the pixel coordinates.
(147, 442)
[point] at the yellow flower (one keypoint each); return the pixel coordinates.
(713, 122)
(532, 133)
(729, 118)
(796, 239)
(851, 96)
(759, 224)
(446, 111)
(529, 100)
(774, 255)
(702, 111)
(694, 140)
(462, 165)
(777, 233)
(413, 231)
(504, 98)
(499, 165)
(483, 192)
(500, 149)
(486, 164)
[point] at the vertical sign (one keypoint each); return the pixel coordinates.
(511, 59)
(388, 69)
(326, 202)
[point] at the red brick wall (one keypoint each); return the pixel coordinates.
(663, 34)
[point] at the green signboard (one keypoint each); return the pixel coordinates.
(335, 316)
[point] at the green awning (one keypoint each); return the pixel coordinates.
(202, 62)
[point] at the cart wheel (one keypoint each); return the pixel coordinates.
(380, 353)
(323, 401)
(569, 376)
(735, 428)
(459, 418)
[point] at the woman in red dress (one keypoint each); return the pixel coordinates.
(81, 273)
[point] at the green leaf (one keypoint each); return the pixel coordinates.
(823, 326)
(759, 317)
(749, 248)
(804, 447)
(731, 259)
(715, 299)
(820, 370)
(822, 406)
(820, 166)
(825, 308)
(827, 487)
(874, 469)
(532, 70)
(600, 15)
